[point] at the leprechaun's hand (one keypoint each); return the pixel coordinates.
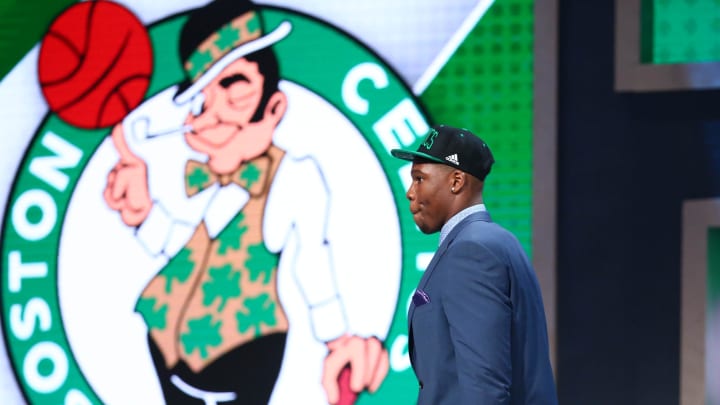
(367, 361)
(127, 185)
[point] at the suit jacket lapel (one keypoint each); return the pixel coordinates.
(478, 216)
(425, 277)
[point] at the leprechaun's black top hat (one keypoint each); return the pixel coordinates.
(218, 34)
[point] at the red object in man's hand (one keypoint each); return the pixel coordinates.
(347, 395)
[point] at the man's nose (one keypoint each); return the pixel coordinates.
(410, 194)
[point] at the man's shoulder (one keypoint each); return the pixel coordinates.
(483, 232)
(298, 178)
(292, 161)
(298, 167)
(480, 222)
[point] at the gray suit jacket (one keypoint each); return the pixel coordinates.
(476, 323)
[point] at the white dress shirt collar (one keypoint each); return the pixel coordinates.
(457, 218)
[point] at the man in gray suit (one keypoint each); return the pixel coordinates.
(476, 322)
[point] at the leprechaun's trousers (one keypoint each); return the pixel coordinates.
(244, 375)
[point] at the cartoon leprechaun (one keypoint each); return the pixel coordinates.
(217, 326)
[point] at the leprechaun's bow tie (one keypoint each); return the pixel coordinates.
(251, 176)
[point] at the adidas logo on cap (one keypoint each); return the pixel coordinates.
(453, 158)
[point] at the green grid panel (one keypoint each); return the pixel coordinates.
(680, 31)
(487, 87)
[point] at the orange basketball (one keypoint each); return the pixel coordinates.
(95, 64)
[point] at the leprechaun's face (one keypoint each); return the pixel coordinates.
(222, 127)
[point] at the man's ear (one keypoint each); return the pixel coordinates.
(276, 107)
(458, 179)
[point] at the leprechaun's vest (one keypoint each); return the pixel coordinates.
(217, 294)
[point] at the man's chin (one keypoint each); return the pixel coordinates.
(428, 231)
(425, 228)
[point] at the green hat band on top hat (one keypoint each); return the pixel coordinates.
(217, 34)
(238, 31)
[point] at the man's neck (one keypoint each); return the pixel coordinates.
(458, 217)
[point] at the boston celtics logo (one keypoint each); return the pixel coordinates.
(209, 212)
